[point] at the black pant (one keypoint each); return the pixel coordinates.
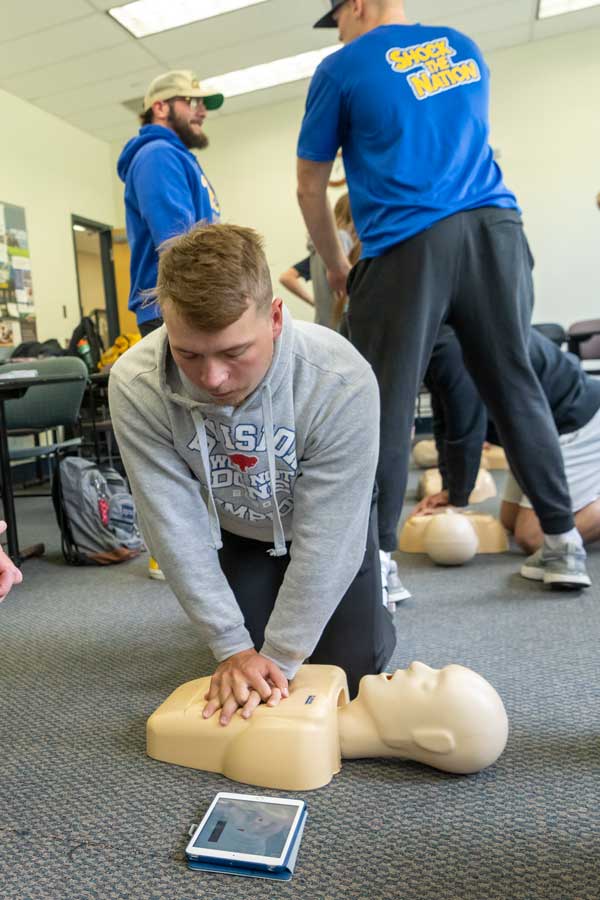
(472, 270)
(360, 636)
(145, 328)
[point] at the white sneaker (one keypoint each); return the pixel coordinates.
(396, 590)
(560, 568)
(392, 588)
(385, 560)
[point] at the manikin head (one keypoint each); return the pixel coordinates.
(449, 718)
(215, 294)
(177, 101)
(353, 18)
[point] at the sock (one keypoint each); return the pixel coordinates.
(384, 560)
(554, 541)
(385, 557)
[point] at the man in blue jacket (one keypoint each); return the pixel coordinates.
(166, 191)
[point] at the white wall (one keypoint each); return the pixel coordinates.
(52, 170)
(546, 123)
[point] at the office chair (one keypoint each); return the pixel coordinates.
(583, 339)
(553, 331)
(44, 408)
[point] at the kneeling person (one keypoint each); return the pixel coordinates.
(251, 442)
(460, 423)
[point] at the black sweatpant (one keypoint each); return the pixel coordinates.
(360, 636)
(472, 270)
(148, 327)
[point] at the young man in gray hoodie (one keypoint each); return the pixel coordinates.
(250, 442)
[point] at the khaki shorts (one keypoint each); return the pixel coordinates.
(581, 456)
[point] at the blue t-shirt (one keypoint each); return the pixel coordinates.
(409, 106)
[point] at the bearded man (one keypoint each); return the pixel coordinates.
(166, 190)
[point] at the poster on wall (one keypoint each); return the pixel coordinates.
(17, 312)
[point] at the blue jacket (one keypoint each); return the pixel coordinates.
(166, 193)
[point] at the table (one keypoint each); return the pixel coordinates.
(13, 389)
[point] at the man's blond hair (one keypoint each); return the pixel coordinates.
(210, 274)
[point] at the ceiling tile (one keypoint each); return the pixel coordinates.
(234, 29)
(484, 19)
(100, 93)
(103, 117)
(106, 4)
(83, 72)
(76, 38)
(504, 37)
(260, 50)
(115, 134)
(29, 16)
(577, 21)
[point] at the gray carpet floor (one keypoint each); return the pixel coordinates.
(87, 654)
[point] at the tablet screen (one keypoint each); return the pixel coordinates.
(258, 827)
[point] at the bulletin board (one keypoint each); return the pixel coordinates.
(17, 310)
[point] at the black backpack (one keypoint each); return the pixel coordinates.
(87, 329)
(38, 349)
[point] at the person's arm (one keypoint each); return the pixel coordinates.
(461, 414)
(332, 502)
(173, 516)
(318, 143)
(313, 178)
(9, 573)
(295, 282)
(438, 424)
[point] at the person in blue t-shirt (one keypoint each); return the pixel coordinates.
(442, 240)
(166, 191)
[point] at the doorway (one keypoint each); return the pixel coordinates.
(92, 243)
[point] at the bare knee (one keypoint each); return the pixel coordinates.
(587, 521)
(527, 530)
(508, 514)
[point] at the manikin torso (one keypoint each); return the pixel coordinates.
(450, 718)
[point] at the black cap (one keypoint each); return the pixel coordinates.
(328, 21)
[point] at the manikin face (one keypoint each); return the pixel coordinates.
(228, 365)
(423, 711)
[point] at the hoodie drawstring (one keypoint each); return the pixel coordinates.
(280, 548)
(213, 517)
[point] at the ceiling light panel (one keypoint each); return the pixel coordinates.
(266, 75)
(145, 17)
(548, 8)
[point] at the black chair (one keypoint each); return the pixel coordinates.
(553, 331)
(583, 339)
(43, 409)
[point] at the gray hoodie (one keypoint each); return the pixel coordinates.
(311, 428)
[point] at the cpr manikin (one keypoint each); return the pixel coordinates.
(431, 483)
(425, 455)
(456, 536)
(450, 718)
